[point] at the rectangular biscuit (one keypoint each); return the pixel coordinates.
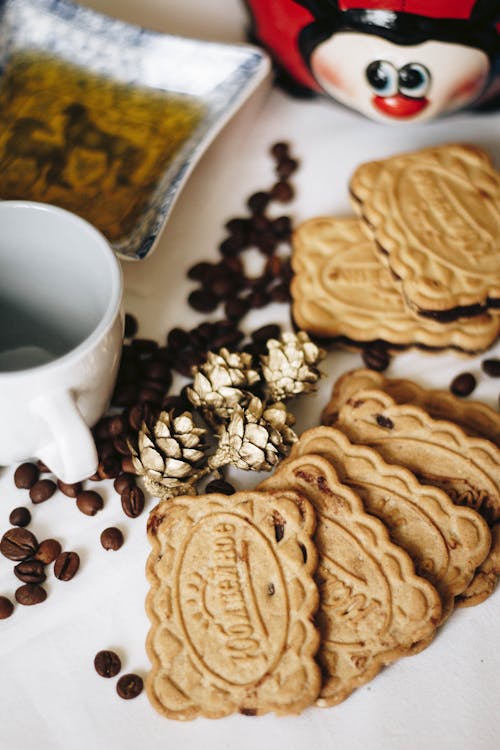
(231, 604)
(435, 217)
(439, 453)
(373, 607)
(341, 290)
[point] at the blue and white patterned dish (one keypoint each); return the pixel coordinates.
(220, 77)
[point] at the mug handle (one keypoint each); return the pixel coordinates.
(72, 454)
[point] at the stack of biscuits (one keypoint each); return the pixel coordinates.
(351, 555)
(419, 264)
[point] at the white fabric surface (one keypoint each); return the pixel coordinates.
(445, 698)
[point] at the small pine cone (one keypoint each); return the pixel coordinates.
(169, 456)
(290, 368)
(219, 385)
(256, 438)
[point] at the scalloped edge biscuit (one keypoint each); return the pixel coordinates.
(435, 216)
(474, 417)
(407, 435)
(340, 289)
(231, 603)
(373, 606)
(446, 542)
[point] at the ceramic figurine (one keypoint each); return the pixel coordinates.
(393, 60)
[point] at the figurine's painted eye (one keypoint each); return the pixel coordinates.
(382, 77)
(414, 80)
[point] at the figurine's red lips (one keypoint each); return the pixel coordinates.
(399, 105)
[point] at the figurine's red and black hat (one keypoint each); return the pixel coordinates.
(291, 29)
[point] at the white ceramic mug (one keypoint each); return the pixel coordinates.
(61, 332)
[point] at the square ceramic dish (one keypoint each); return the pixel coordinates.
(107, 119)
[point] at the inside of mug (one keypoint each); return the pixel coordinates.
(56, 280)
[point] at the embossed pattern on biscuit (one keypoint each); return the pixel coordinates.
(373, 606)
(446, 542)
(231, 605)
(438, 452)
(435, 213)
(474, 417)
(341, 289)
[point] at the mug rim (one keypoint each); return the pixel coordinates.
(115, 292)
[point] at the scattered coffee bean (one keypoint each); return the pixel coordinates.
(123, 482)
(66, 565)
(47, 551)
(127, 465)
(89, 502)
(20, 517)
(112, 538)
(286, 167)
(376, 357)
(258, 202)
(282, 192)
(131, 326)
(30, 594)
(463, 385)
(129, 686)
(70, 490)
(17, 544)
(42, 490)
(30, 571)
(491, 367)
(109, 467)
(220, 485)
(26, 475)
(107, 663)
(144, 346)
(132, 501)
(280, 150)
(43, 468)
(6, 608)
(263, 334)
(203, 301)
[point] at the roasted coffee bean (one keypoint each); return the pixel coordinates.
(491, 367)
(280, 150)
(144, 346)
(221, 486)
(282, 192)
(124, 395)
(188, 359)
(235, 308)
(384, 421)
(127, 465)
(131, 326)
(280, 293)
(175, 404)
(237, 225)
(140, 413)
(157, 371)
(6, 608)
(121, 446)
(463, 385)
(282, 227)
(107, 663)
(263, 334)
(42, 490)
(29, 594)
(26, 475)
(286, 167)
(47, 551)
(203, 301)
(178, 338)
(20, 517)
(70, 490)
(112, 538)
(124, 482)
(30, 571)
(132, 501)
(105, 449)
(66, 565)
(376, 358)
(149, 395)
(258, 202)
(259, 298)
(42, 467)
(109, 467)
(129, 686)
(231, 246)
(18, 544)
(89, 502)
